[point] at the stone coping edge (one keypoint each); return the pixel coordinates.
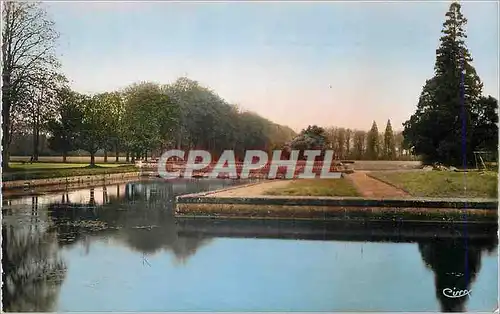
(67, 180)
(332, 213)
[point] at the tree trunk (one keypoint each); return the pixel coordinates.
(128, 157)
(133, 157)
(5, 159)
(146, 156)
(36, 129)
(6, 104)
(105, 155)
(117, 155)
(36, 141)
(65, 155)
(92, 159)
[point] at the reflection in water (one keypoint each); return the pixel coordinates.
(455, 265)
(139, 216)
(32, 270)
(144, 222)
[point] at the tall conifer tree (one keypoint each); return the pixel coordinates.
(443, 127)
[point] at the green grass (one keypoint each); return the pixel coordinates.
(316, 187)
(443, 183)
(70, 159)
(17, 166)
(20, 171)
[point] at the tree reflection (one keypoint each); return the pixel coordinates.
(142, 218)
(32, 270)
(455, 264)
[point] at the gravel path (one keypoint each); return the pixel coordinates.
(370, 187)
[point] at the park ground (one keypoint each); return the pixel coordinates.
(380, 184)
(53, 167)
(371, 179)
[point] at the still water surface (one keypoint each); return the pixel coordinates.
(119, 248)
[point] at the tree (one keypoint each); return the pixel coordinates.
(311, 138)
(149, 116)
(359, 144)
(372, 143)
(485, 133)
(251, 133)
(389, 142)
(27, 49)
(348, 134)
(64, 130)
(341, 143)
(206, 121)
(280, 136)
(331, 138)
(92, 135)
(447, 115)
(398, 141)
(117, 128)
(111, 102)
(41, 104)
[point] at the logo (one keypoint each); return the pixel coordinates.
(200, 162)
(452, 293)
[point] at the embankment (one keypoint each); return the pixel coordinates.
(231, 204)
(97, 178)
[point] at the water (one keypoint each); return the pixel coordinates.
(119, 248)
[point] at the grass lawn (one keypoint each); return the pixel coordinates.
(443, 183)
(19, 171)
(70, 159)
(17, 166)
(316, 187)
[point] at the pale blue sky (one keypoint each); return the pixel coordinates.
(277, 59)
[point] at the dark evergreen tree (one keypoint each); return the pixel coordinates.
(485, 136)
(372, 142)
(389, 142)
(447, 118)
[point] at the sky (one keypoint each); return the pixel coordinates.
(343, 64)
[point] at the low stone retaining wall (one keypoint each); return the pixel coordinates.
(334, 230)
(327, 213)
(68, 180)
(336, 208)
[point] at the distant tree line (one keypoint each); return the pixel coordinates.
(453, 118)
(354, 144)
(144, 119)
(39, 106)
